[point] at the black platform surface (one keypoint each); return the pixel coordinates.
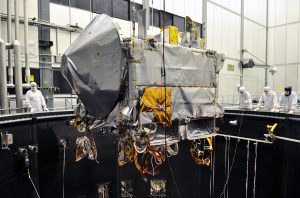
(271, 172)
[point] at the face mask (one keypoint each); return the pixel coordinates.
(33, 89)
(287, 93)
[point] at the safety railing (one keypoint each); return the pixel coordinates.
(69, 104)
(12, 110)
(60, 102)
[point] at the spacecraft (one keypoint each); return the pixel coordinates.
(151, 94)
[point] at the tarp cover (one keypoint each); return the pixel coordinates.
(92, 66)
(190, 72)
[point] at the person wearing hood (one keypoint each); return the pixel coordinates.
(35, 100)
(288, 100)
(268, 100)
(245, 100)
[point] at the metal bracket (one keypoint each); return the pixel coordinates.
(103, 190)
(158, 188)
(270, 137)
(6, 140)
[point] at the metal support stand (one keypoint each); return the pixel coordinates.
(18, 76)
(255, 162)
(247, 175)
(46, 71)
(3, 78)
(242, 41)
(267, 35)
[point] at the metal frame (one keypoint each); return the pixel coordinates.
(231, 11)
(204, 22)
(39, 22)
(243, 18)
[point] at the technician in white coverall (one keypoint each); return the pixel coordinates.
(245, 100)
(288, 99)
(268, 100)
(35, 100)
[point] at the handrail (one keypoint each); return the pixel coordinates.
(8, 109)
(244, 138)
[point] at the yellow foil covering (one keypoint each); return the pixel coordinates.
(153, 100)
